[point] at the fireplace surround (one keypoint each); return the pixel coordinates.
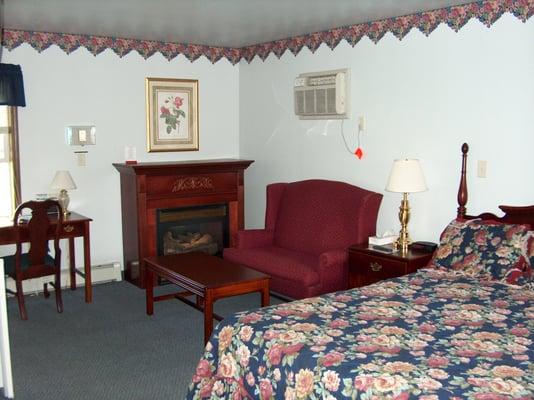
(148, 190)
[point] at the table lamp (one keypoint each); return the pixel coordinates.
(406, 176)
(63, 181)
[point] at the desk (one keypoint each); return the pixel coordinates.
(74, 225)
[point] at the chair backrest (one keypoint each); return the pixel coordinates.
(315, 216)
(37, 231)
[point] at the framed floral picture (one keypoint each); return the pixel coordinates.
(172, 114)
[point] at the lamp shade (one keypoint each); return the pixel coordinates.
(11, 86)
(406, 176)
(63, 180)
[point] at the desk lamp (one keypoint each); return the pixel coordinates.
(406, 176)
(63, 181)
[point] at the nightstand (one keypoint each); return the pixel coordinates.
(368, 266)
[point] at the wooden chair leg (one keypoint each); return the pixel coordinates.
(45, 290)
(20, 298)
(59, 300)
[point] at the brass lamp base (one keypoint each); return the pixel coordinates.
(404, 216)
(63, 199)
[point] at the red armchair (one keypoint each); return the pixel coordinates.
(308, 227)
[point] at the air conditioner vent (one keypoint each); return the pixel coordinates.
(322, 95)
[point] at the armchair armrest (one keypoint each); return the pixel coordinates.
(251, 238)
(333, 269)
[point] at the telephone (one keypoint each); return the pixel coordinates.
(425, 247)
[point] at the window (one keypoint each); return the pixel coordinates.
(9, 164)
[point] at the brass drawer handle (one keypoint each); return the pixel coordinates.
(68, 228)
(376, 266)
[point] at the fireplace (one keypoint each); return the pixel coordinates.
(197, 203)
(187, 229)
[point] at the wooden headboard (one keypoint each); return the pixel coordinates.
(512, 214)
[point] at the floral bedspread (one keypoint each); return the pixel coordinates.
(429, 335)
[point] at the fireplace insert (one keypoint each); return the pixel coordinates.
(198, 228)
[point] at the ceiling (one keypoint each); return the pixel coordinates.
(232, 23)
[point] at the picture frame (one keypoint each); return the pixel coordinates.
(172, 114)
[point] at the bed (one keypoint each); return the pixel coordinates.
(462, 328)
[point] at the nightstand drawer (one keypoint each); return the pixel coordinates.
(367, 269)
(368, 266)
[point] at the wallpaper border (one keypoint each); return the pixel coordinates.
(455, 17)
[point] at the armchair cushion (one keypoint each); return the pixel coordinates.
(253, 238)
(291, 272)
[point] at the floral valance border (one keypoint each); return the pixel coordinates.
(455, 17)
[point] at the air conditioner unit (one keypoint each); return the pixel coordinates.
(322, 95)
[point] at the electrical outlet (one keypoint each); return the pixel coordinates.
(81, 157)
(482, 168)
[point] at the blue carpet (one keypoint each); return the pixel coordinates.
(109, 349)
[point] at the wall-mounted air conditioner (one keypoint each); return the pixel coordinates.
(322, 95)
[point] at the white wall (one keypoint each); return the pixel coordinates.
(422, 98)
(109, 92)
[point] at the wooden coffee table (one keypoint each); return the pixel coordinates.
(209, 278)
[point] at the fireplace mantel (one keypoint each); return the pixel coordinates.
(148, 187)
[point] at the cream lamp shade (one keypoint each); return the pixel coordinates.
(406, 176)
(63, 180)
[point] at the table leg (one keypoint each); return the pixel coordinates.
(72, 264)
(265, 296)
(87, 263)
(208, 315)
(149, 289)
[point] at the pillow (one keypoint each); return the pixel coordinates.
(489, 250)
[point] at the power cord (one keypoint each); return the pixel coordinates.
(345, 139)
(358, 152)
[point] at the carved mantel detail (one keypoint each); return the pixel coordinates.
(192, 183)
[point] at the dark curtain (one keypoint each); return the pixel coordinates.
(11, 86)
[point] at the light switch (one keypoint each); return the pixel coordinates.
(481, 168)
(80, 135)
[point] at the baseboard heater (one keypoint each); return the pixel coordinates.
(99, 274)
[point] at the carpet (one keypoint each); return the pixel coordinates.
(109, 349)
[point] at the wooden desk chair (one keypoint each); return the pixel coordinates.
(37, 262)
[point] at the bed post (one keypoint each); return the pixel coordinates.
(462, 190)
